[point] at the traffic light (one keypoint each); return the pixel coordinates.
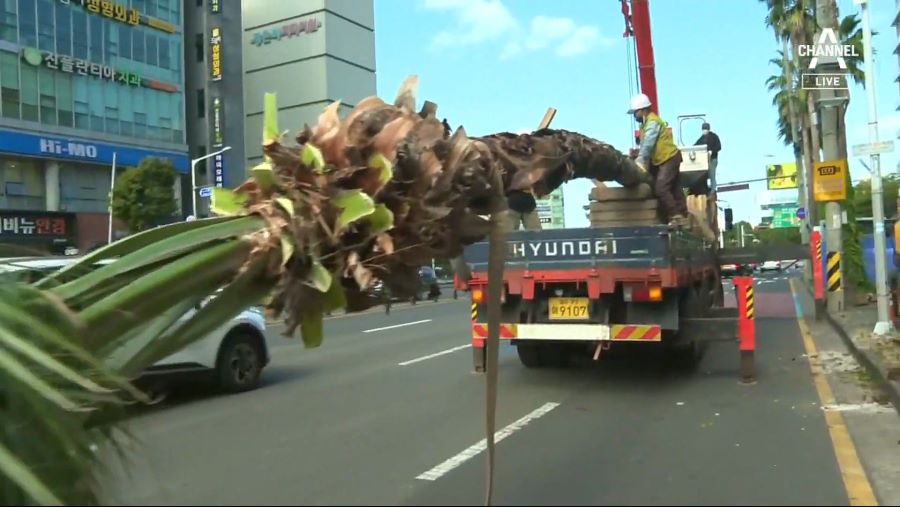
(729, 219)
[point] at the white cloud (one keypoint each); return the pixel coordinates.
(485, 21)
(477, 21)
(582, 40)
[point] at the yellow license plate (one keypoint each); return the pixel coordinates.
(569, 308)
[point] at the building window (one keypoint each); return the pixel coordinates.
(82, 120)
(112, 120)
(140, 125)
(112, 41)
(29, 94)
(28, 22)
(138, 46)
(46, 26)
(9, 84)
(9, 30)
(165, 54)
(63, 29)
(48, 97)
(64, 99)
(152, 50)
(201, 103)
(96, 39)
(125, 41)
(79, 26)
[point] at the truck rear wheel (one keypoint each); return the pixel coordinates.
(530, 355)
(555, 356)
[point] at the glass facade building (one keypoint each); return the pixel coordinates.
(83, 83)
(99, 66)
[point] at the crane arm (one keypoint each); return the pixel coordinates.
(637, 25)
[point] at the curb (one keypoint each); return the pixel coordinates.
(875, 370)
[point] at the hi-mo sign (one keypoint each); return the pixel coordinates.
(830, 180)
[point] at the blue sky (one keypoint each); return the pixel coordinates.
(496, 65)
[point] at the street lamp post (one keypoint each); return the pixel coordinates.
(194, 188)
(883, 325)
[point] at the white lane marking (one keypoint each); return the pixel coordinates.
(432, 356)
(452, 463)
(866, 408)
(396, 326)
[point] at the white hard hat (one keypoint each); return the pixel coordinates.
(639, 101)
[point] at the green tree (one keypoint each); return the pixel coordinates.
(862, 197)
(144, 196)
(733, 238)
(780, 236)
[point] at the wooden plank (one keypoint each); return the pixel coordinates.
(429, 110)
(624, 223)
(624, 206)
(643, 214)
(548, 118)
(641, 191)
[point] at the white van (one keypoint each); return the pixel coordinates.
(235, 354)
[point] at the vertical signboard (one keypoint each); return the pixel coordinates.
(215, 44)
(215, 6)
(218, 128)
(219, 170)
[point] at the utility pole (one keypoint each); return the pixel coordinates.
(827, 104)
(788, 71)
(883, 325)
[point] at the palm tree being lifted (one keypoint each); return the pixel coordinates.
(373, 195)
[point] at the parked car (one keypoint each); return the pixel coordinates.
(729, 270)
(770, 266)
(234, 355)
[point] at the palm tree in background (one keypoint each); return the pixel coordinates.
(794, 23)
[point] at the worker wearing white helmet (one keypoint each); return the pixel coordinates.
(660, 155)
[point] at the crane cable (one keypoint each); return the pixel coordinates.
(631, 61)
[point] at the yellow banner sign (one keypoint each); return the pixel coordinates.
(782, 176)
(830, 180)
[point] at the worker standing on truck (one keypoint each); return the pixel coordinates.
(714, 146)
(659, 155)
(522, 209)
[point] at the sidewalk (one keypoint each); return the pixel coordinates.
(879, 354)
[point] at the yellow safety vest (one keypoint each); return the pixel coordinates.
(665, 145)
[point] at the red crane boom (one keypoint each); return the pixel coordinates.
(637, 25)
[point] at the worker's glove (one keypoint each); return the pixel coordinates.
(633, 153)
(640, 164)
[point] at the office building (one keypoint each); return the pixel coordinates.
(552, 210)
(83, 82)
(309, 52)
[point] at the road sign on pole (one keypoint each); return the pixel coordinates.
(205, 192)
(829, 180)
(874, 148)
(801, 213)
(732, 188)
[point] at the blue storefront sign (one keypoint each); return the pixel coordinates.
(44, 146)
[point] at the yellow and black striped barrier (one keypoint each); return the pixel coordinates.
(833, 277)
(750, 306)
(819, 252)
(474, 312)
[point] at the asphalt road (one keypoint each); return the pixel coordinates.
(348, 424)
